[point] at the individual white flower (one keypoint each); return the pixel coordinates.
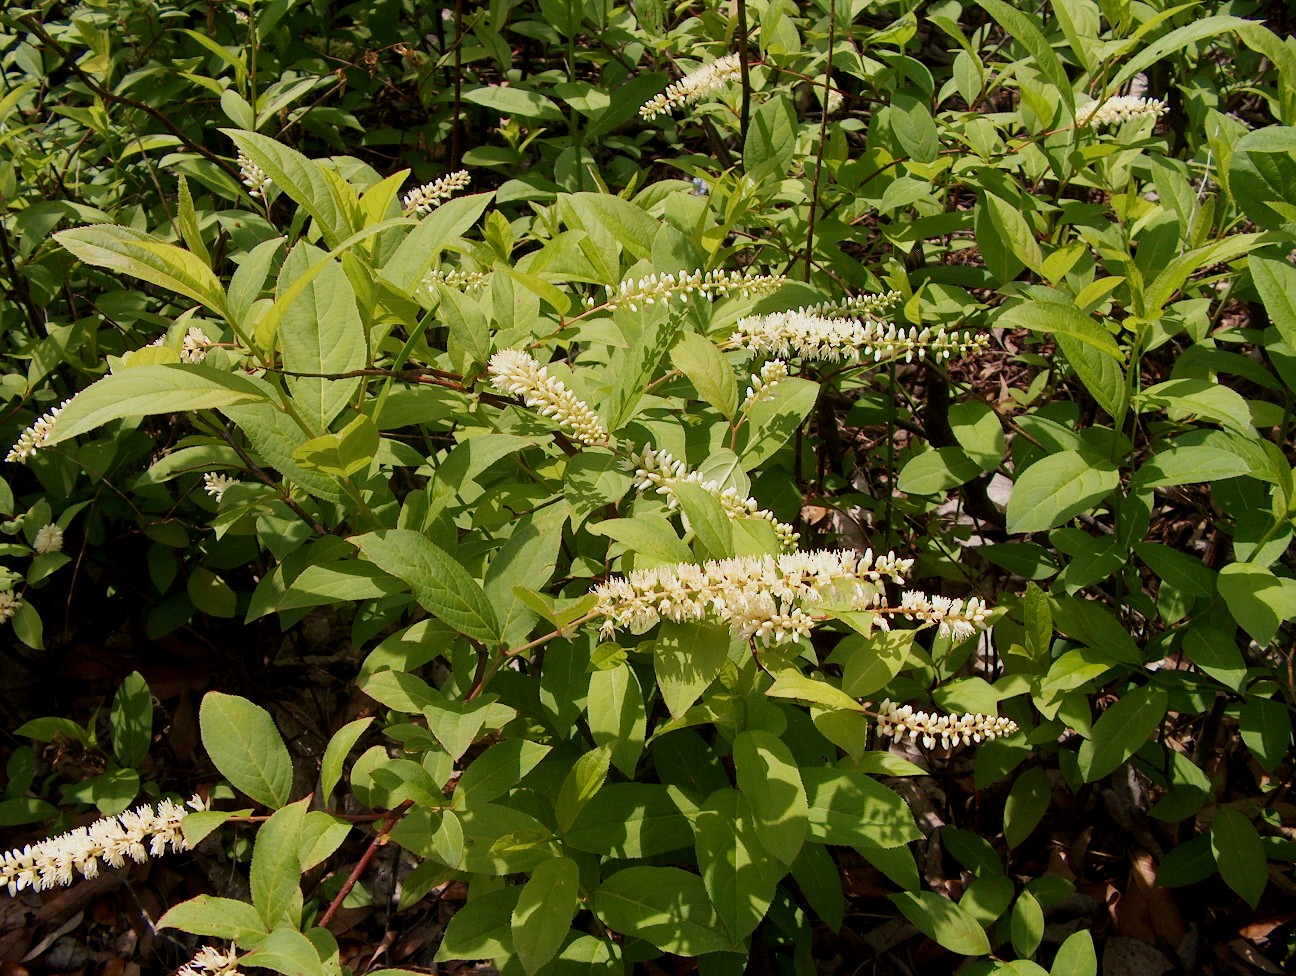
(520, 374)
(1119, 109)
(457, 279)
(660, 472)
(209, 961)
(693, 87)
(135, 835)
(9, 605)
(194, 349)
(956, 619)
(895, 721)
(763, 383)
(768, 598)
(807, 336)
(217, 484)
(684, 284)
(252, 176)
(48, 539)
(422, 200)
(36, 436)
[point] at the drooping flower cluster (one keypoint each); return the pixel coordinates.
(136, 835)
(36, 436)
(805, 336)
(209, 961)
(895, 721)
(422, 200)
(693, 87)
(217, 484)
(659, 471)
(48, 539)
(457, 279)
(956, 619)
(768, 598)
(520, 374)
(662, 287)
(253, 176)
(1119, 109)
(852, 306)
(763, 383)
(9, 605)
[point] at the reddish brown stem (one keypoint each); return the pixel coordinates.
(379, 839)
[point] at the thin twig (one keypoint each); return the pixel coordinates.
(379, 840)
(823, 135)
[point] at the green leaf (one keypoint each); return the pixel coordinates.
(1056, 319)
(617, 718)
(1239, 854)
(1275, 280)
(630, 820)
(1101, 374)
(708, 371)
(932, 472)
(276, 866)
(651, 536)
(1024, 28)
(711, 526)
(131, 720)
(849, 808)
(147, 390)
(1056, 489)
(142, 256)
(1216, 653)
(482, 928)
(582, 784)
(1027, 925)
(914, 127)
(457, 724)
(544, 912)
(1027, 802)
(1176, 41)
(979, 432)
(1076, 956)
(1187, 464)
(942, 921)
(871, 662)
(1258, 600)
(498, 770)
(1122, 730)
(792, 683)
(217, 918)
(771, 139)
(1267, 731)
(322, 194)
(245, 746)
(768, 776)
(738, 874)
(819, 879)
(440, 584)
(667, 907)
(422, 247)
(343, 454)
(515, 101)
(1188, 398)
(321, 332)
(772, 422)
(687, 657)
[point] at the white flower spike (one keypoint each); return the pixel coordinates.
(804, 335)
(217, 484)
(36, 436)
(1119, 109)
(684, 284)
(896, 721)
(48, 539)
(693, 87)
(253, 176)
(422, 200)
(209, 961)
(520, 374)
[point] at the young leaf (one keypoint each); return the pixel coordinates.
(545, 909)
(242, 741)
(1122, 730)
(276, 866)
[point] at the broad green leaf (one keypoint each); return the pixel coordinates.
(321, 332)
(979, 432)
(849, 808)
(1026, 804)
(738, 874)
(630, 820)
(710, 524)
(498, 770)
(142, 256)
(147, 390)
(482, 928)
(616, 715)
(650, 536)
(334, 205)
(1055, 318)
(1024, 28)
(456, 724)
(1267, 731)
(422, 247)
(1027, 925)
(1076, 956)
(768, 776)
(276, 866)
(1122, 730)
(1275, 280)
(131, 720)
(1216, 653)
(581, 785)
(687, 657)
(217, 918)
(1239, 854)
(792, 683)
(819, 878)
(527, 560)
(545, 909)
(440, 584)
(771, 139)
(943, 922)
(1188, 398)
(871, 662)
(1056, 489)
(772, 422)
(708, 371)
(245, 746)
(1100, 373)
(1176, 41)
(667, 907)
(1258, 600)
(932, 472)
(515, 101)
